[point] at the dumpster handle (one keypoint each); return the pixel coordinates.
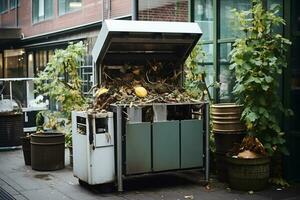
(91, 128)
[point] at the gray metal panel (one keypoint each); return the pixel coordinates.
(138, 148)
(191, 143)
(166, 145)
(134, 39)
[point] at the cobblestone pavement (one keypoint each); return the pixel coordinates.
(23, 183)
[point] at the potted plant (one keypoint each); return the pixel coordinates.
(61, 82)
(257, 60)
(48, 143)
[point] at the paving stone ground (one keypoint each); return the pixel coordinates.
(23, 183)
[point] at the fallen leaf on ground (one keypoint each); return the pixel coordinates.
(251, 192)
(207, 187)
(189, 197)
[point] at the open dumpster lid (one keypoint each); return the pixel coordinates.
(134, 42)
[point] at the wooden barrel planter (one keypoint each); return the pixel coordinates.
(228, 130)
(11, 129)
(248, 174)
(47, 151)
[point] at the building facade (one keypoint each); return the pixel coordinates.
(30, 30)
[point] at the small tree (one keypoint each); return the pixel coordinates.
(61, 82)
(257, 60)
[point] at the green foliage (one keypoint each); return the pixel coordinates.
(61, 82)
(258, 60)
(195, 75)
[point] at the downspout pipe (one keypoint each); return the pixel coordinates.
(135, 9)
(17, 13)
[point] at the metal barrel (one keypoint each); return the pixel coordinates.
(11, 129)
(226, 118)
(47, 151)
(228, 131)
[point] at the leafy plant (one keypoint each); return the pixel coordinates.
(195, 75)
(258, 60)
(61, 82)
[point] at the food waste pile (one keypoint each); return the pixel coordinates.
(136, 85)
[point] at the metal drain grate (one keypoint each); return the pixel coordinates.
(5, 195)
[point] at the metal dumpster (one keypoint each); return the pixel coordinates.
(176, 136)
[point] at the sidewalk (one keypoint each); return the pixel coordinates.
(23, 183)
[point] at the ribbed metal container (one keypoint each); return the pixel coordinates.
(228, 130)
(11, 129)
(226, 118)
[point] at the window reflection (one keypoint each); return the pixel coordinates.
(163, 10)
(15, 64)
(204, 16)
(228, 26)
(40, 60)
(226, 76)
(65, 6)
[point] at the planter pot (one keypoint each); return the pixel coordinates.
(48, 151)
(11, 129)
(248, 174)
(224, 143)
(26, 149)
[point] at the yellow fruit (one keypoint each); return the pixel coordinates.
(101, 91)
(140, 91)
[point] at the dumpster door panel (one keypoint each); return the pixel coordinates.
(138, 148)
(191, 143)
(166, 145)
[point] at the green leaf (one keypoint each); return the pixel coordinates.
(269, 79)
(265, 87)
(252, 116)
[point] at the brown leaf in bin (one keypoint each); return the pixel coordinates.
(161, 83)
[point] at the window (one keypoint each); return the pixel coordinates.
(66, 6)
(228, 23)
(3, 5)
(204, 16)
(163, 10)
(219, 35)
(13, 3)
(14, 63)
(41, 10)
(41, 60)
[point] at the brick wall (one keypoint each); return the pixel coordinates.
(90, 12)
(8, 19)
(171, 11)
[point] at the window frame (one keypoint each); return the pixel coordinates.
(44, 18)
(16, 4)
(65, 10)
(217, 41)
(6, 9)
